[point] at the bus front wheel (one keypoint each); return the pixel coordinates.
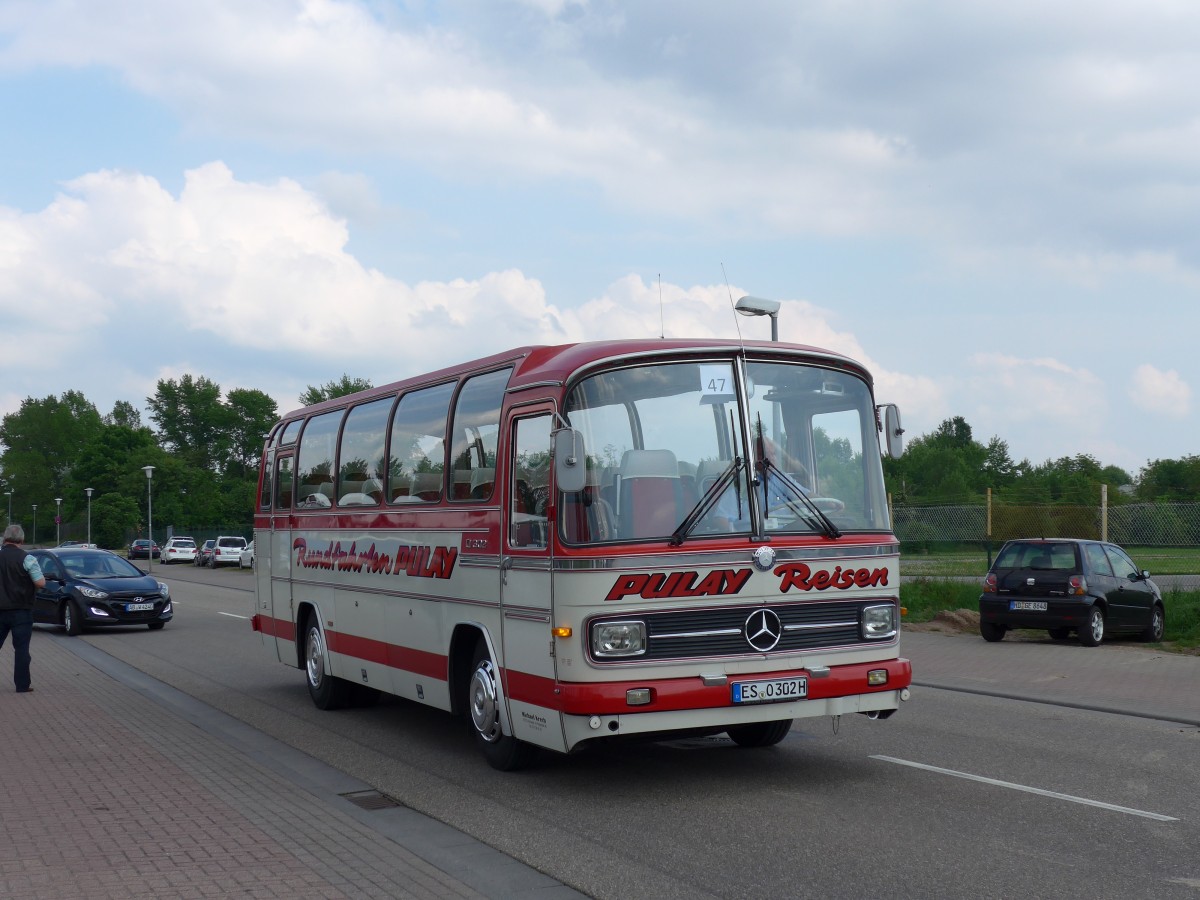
(502, 751)
(327, 692)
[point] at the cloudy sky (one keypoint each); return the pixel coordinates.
(994, 205)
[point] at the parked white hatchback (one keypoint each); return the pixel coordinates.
(227, 551)
(246, 560)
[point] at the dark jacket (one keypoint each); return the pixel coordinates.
(16, 587)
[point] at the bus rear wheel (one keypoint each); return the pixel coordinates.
(327, 692)
(502, 751)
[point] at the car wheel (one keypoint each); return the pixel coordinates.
(1154, 631)
(155, 626)
(991, 632)
(1091, 634)
(1060, 634)
(760, 734)
(327, 691)
(502, 751)
(72, 619)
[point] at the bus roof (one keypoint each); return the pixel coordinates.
(541, 364)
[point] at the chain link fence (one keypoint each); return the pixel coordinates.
(1133, 524)
(1163, 537)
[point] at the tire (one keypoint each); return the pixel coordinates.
(991, 632)
(760, 734)
(502, 751)
(155, 626)
(1091, 634)
(72, 619)
(1060, 634)
(327, 691)
(1154, 631)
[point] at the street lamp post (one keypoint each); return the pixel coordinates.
(9, 493)
(757, 306)
(33, 540)
(88, 491)
(149, 470)
(58, 522)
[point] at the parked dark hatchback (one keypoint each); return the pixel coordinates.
(143, 549)
(1091, 588)
(204, 554)
(96, 587)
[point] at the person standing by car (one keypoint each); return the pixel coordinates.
(20, 577)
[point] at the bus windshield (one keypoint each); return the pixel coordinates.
(672, 454)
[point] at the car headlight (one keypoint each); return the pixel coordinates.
(92, 593)
(879, 622)
(617, 639)
(164, 590)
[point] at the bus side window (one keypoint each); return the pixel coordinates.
(360, 456)
(283, 482)
(417, 455)
(476, 428)
(530, 474)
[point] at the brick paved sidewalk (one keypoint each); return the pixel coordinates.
(107, 793)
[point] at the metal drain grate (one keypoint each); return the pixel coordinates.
(371, 800)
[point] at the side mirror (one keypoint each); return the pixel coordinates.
(893, 440)
(570, 460)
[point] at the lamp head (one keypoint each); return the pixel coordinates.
(756, 306)
(149, 470)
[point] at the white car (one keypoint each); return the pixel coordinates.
(179, 549)
(246, 560)
(227, 551)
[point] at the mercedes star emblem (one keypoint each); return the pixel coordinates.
(763, 630)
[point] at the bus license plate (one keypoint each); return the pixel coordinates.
(770, 691)
(138, 607)
(1031, 605)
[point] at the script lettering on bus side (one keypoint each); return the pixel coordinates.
(417, 560)
(722, 582)
(802, 578)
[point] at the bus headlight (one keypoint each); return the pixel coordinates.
(879, 622)
(616, 639)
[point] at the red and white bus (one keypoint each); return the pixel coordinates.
(592, 541)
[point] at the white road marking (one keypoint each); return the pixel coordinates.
(231, 615)
(1029, 790)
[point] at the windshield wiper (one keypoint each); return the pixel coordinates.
(705, 503)
(823, 522)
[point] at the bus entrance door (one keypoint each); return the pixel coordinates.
(273, 558)
(526, 595)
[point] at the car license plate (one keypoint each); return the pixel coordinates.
(770, 691)
(1030, 605)
(138, 607)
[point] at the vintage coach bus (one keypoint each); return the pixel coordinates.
(592, 541)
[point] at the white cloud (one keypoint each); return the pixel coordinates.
(1159, 391)
(1011, 391)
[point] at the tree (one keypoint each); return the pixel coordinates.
(191, 420)
(251, 415)
(1170, 479)
(339, 388)
(113, 516)
(124, 413)
(42, 440)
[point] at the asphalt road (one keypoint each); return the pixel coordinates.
(956, 795)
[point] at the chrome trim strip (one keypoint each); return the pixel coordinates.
(527, 617)
(698, 559)
(819, 626)
(694, 634)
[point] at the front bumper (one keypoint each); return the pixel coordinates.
(113, 612)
